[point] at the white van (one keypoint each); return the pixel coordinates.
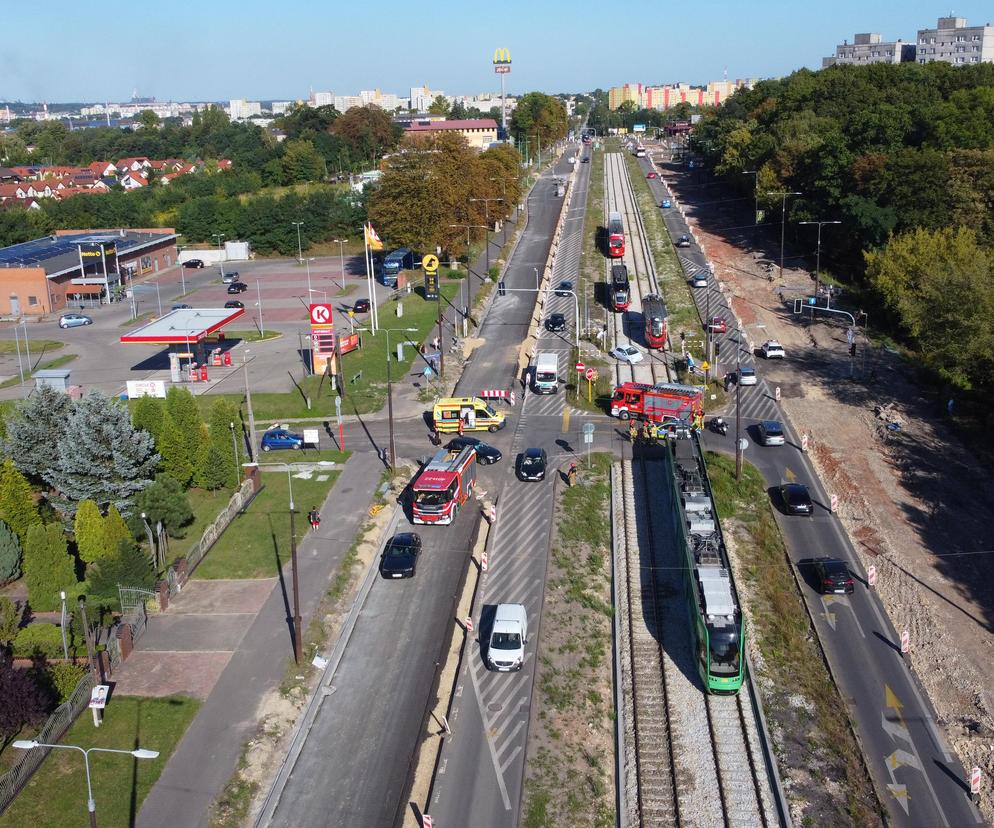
(506, 651)
(545, 378)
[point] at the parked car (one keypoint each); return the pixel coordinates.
(585, 160)
(771, 433)
(796, 499)
(234, 303)
(281, 438)
(564, 289)
(181, 306)
(556, 322)
(533, 464)
(718, 324)
(665, 204)
(194, 263)
(747, 376)
(627, 353)
(361, 306)
(74, 320)
(833, 577)
(699, 279)
(683, 241)
(237, 287)
(228, 278)
(771, 349)
(652, 175)
(400, 556)
(486, 455)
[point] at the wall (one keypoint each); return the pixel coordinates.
(24, 283)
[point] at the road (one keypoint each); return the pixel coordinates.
(919, 780)
(353, 766)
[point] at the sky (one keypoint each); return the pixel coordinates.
(103, 50)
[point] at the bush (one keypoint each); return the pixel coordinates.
(63, 678)
(130, 567)
(165, 500)
(10, 554)
(48, 567)
(25, 700)
(10, 620)
(39, 640)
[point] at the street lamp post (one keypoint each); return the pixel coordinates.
(234, 447)
(755, 193)
(220, 258)
(307, 262)
(503, 224)
(783, 221)
(393, 448)
(486, 213)
(158, 297)
(91, 805)
(248, 405)
(818, 255)
(300, 251)
(153, 553)
(341, 255)
(262, 325)
(469, 269)
(297, 643)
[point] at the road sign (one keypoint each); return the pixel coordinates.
(776, 393)
(905, 641)
(804, 442)
(321, 315)
(705, 365)
(871, 575)
(425, 818)
(975, 780)
(430, 263)
(589, 428)
(835, 503)
(743, 444)
(590, 373)
(580, 366)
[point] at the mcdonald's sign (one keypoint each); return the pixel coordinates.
(502, 61)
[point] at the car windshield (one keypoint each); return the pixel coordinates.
(431, 498)
(505, 641)
(490, 411)
(398, 551)
(724, 651)
(532, 460)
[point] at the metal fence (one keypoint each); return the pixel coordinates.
(238, 501)
(58, 723)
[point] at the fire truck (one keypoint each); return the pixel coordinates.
(659, 403)
(443, 486)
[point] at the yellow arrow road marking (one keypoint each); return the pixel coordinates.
(566, 420)
(789, 474)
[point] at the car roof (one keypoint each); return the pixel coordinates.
(834, 565)
(794, 487)
(745, 369)
(534, 452)
(405, 539)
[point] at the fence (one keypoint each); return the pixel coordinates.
(58, 723)
(239, 500)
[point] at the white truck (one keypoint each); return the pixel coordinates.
(545, 376)
(506, 650)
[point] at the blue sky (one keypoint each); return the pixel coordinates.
(259, 49)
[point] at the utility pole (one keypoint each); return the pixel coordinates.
(818, 256)
(297, 643)
(91, 654)
(300, 251)
(248, 403)
(783, 221)
(220, 260)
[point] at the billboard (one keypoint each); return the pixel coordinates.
(638, 127)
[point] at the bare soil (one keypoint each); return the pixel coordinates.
(916, 503)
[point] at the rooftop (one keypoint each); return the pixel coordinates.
(57, 254)
(433, 126)
(181, 326)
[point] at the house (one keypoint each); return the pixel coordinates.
(133, 181)
(13, 190)
(101, 185)
(24, 172)
(102, 169)
(69, 192)
(26, 203)
(82, 178)
(136, 164)
(8, 175)
(224, 164)
(39, 189)
(480, 133)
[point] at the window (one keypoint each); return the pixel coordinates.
(32, 300)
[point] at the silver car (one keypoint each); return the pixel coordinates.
(747, 376)
(74, 320)
(771, 433)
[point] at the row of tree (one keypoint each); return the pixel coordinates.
(903, 156)
(538, 120)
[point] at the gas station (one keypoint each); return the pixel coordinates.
(192, 334)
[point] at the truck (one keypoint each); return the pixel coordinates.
(620, 288)
(460, 414)
(393, 263)
(545, 376)
(443, 485)
(506, 648)
(665, 402)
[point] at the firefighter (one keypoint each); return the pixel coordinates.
(633, 431)
(571, 475)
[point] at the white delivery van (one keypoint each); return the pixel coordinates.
(506, 651)
(545, 377)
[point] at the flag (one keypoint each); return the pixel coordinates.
(372, 239)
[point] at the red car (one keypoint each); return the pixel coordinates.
(718, 325)
(652, 175)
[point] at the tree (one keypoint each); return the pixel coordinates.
(17, 502)
(216, 464)
(115, 529)
(88, 528)
(101, 457)
(439, 106)
(165, 500)
(302, 162)
(128, 566)
(185, 413)
(458, 112)
(368, 131)
(147, 416)
(10, 554)
(48, 566)
(175, 452)
(147, 119)
(539, 118)
(24, 701)
(34, 431)
(10, 621)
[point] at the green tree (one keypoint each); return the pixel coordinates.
(147, 119)
(101, 456)
(368, 132)
(10, 554)
(10, 621)
(126, 567)
(147, 416)
(539, 118)
(115, 529)
(35, 429)
(48, 566)
(17, 502)
(302, 162)
(88, 528)
(166, 500)
(439, 106)
(175, 452)
(185, 413)
(216, 464)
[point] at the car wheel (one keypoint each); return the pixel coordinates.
(624, 415)
(492, 429)
(266, 448)
(63, 326)
(295, 446)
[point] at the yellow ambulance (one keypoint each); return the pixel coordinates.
(461, 414)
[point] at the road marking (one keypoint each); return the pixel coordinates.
(566, 420)
(490, 747)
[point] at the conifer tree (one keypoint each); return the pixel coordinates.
(35, 429)
(17, 502)
(89, 531)
(48, 566)
(175, 453)
(10, 554)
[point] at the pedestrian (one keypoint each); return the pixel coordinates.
(571, 475)
(435, 437)
(315, 518)
(949, 406)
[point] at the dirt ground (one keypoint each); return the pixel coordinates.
(915, 503)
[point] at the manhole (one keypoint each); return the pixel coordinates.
(496, 707)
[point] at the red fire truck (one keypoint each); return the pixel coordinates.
(658, 403)
(444, 485)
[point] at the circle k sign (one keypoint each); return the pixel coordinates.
(321, 315)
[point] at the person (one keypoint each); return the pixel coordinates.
(315, 518)
(571, 475)
(436, 438)
(633, 432)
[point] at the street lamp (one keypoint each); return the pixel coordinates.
(307, 262)
(783, 221)
(300, 252)
(323, 293)
(469, 268)
(91, 805)
(151, 544)
(262, 325)
(503, 194)
(158, 297)
(341, 255)
(755, 193)
(738, 402)
(234, 447)
(486, 213)
(220, 258)
(393, 449)
(817, 255)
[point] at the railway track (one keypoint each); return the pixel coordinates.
(692, 758)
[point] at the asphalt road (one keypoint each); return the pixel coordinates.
(919, 780)
(354, 764)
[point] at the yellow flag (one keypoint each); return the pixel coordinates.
(372, 239)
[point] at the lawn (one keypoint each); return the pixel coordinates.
(37, 346)
(206, 506)
(138, 320)
(56, 795)
(257, 542)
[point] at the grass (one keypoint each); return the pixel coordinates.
(781, 626)
(58, 362)
(142, 317)
(206, 506)
(257, 542)
(56, 795)
(9, 346)
(592, 261)
(252, 335)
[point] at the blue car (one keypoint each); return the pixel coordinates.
(74, 320)
(666, 204)
(281, 438)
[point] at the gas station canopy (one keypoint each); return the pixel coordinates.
(183, 326)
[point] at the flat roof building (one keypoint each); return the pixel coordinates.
(479, 132)
(952, 41)
(870, 48)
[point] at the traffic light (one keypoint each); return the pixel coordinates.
(683, 336)
(501, 291)
(717, 349)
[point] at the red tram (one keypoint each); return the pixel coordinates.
(654, 315)
(615, 236)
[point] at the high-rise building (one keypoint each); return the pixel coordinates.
(870, 48)
(664, 97)
(322, 98)
(240, 109)
(952, 41)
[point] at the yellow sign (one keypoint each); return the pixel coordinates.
(430, 263)
(705, 365)
(502, 56)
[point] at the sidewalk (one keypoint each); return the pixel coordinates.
(209, 751)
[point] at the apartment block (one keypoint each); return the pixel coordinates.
(870, 48)
(953, 41)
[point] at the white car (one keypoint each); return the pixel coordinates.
(747, 376)
(699, 279)
(627, 353)
(772, 349)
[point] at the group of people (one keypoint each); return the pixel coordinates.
(649, 432)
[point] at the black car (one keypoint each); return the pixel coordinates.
(585, 159)
(796, 499)
(485, 455)
(400, 557)
(237, 287)
(556, 322)
(194, 263)
(564, 289)
(833, 577)
(532, 465)
(362, 306)
(234, 303)
(683, 241)
(181, 306)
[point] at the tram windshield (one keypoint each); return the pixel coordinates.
(724, 647)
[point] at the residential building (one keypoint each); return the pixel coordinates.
(51, 274)
(481, 133)
(664, 97)
(422, 96)
(321, 99)
(280, 107)
(617, 95)
(387, 100)
(870, 48)
(240, 109)
(952, 41)
(343, 103)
